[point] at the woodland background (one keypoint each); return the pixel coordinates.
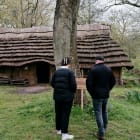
(122, 15)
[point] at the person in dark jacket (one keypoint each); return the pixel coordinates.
(64, 84)
(99, 82)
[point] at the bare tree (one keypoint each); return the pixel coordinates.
(122, 23)
(26, 13)
(87, 12)
(65, 26)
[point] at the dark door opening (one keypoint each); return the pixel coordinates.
(43, 72)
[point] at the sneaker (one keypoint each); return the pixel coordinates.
(67, 137)
(100, 137)
(58, 132)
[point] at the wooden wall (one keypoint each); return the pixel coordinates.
(117, 73)
(29, 72)
(24, 72)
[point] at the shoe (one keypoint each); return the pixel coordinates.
(58, 132)
(100, 137)
(67, 137)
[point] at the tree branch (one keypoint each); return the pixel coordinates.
(122, 2)
(135, 4)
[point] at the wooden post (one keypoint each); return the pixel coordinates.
(81, 85)
(82, 99)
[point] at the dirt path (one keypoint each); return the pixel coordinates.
(33, 89)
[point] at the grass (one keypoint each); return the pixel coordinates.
(136, 63)
(31, 117)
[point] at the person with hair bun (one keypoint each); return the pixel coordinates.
(64, 85)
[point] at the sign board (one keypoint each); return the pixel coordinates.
(81, 83)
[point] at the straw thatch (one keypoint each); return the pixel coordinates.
(24, 46)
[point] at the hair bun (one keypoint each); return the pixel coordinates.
(65, 61)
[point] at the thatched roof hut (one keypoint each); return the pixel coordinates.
(25, 52)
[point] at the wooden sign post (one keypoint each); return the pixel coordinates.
(81, 85)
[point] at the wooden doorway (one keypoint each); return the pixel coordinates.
(43, 72)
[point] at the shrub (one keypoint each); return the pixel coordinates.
(133, 96)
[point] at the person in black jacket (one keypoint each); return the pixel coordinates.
(64, 84)
(99, 82)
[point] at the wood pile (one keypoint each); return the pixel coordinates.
(19, 82)
(4, 80)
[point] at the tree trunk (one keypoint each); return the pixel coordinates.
(64, 35)
(65, 22)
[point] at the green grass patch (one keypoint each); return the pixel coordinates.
(31, 117)
(133, 96)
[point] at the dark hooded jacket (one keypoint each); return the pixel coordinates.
(64, 84)
(100, 81)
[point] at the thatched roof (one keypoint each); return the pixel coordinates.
(23, 46)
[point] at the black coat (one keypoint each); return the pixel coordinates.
(64, 84)
(100, 81)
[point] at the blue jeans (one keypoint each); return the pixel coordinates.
(101, 114)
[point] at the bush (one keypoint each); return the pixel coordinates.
(133, 96)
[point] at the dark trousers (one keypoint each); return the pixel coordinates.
(101, 114)
(62, 114)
